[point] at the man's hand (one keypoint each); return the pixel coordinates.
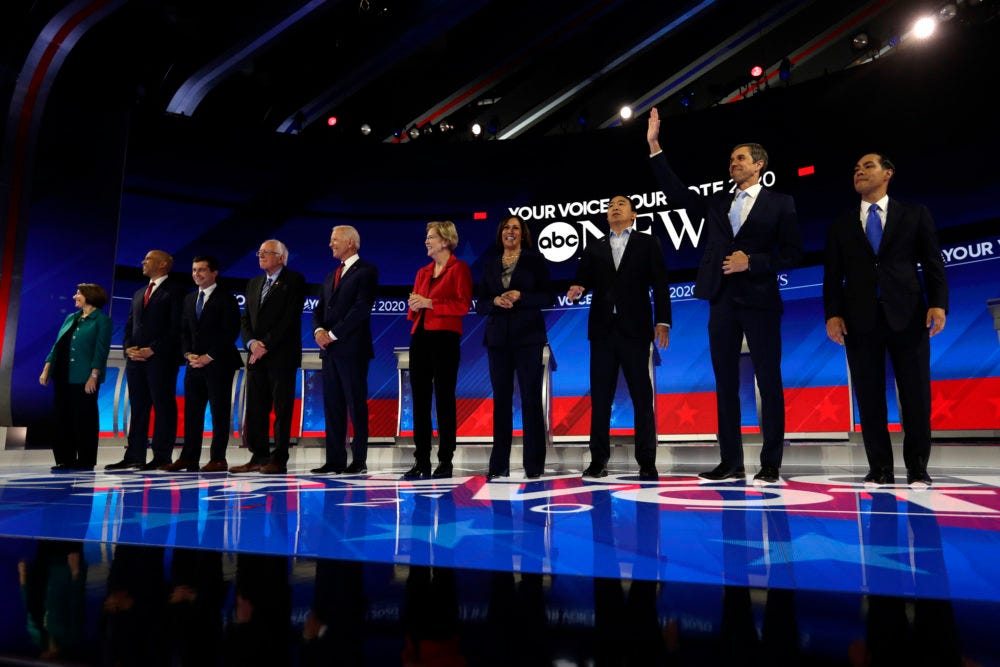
(257, 350)
(197, 360)
(935, 320)
(574, 292)
(836, 329)
(662, 336)
(322, 338)
(653, 131)
(735, 263)
(139, 353)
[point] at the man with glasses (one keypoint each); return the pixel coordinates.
(272, 335)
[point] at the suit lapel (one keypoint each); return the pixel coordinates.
(893, 220)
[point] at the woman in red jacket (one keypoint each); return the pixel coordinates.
(441, 297)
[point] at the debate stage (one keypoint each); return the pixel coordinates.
(560, 570)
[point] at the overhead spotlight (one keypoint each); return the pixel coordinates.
(757, 71)
(414, 132)
(397, 133)
(493, 126)
(860, 41)
(687, 97)
(785, 69)
(366, 129)
(947, 13)
(583, 118)
(427, 129)
(445, 126)
(477, 129)
(625, 112)
(924, 27)
(331, 121)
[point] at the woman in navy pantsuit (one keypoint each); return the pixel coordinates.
(513, 291)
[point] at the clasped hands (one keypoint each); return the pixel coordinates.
(738, 261)
(136, 353)
(197, 360)
(507, 299)
(416, 302)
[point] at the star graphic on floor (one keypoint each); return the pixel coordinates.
(443, 535)
(685, 414)
(814, 547)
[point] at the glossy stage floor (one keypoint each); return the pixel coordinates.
(372, 569)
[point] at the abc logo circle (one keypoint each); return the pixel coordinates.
(558, 241)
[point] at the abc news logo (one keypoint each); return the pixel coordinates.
(558, 241)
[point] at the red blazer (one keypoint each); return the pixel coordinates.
(451, 294)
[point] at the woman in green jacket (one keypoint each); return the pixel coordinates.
(76, 366)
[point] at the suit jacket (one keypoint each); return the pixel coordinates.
(158, 324)
(855, 280)
(523, 324)
(769, 236)
(451, 293)
(625, 290)
(347, 311)
(89, 348)
(216, 332)
(278, 321)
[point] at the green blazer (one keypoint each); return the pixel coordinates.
(89, 348)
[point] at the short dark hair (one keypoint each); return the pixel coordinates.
(757, 152)
(631, 204)
(211, 260)
(93, 294)
(884, 159)
(525, 232)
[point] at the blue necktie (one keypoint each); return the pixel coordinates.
(873, 227)
(735, 210)
(200, 304)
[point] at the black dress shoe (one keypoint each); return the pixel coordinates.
(596, 470)
(648, 473)
(123, 465)
(328, 469)
(417, 472)
(155, 465)
(533, 475)
(723, 471)
(61, 467)
(918, 479)
(493, 474)
(443, 471)
(877, 478)
(766, 475)
(356, 468)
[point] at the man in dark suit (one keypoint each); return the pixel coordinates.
(876, 302)
(748, 239)
(272, 335)
(210, 326)
(342, 329)
(620, 269)
(152, 346)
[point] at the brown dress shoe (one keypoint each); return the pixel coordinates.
(246, 467)
(180, 464)
(273, 468)
(219, 465)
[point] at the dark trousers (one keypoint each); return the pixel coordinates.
(728, 323)
(434, 357)
(152, 386)
(211, 385)
(525, 362)
(631, 356)
(269, 387)
(345, 391)
(79, 425)
(910, 353)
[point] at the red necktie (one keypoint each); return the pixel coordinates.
(145, 298)
(336, 277)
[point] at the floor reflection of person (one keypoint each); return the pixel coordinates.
(430, 619)
(333, 632)
(260, 629)
(194, 602)
(134, 606)
(53, 588)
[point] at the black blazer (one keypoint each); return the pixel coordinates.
(769, 236)
(523, 324)
(278, 321)
(855, 281)
(627, 289)
(158, 324)
(216, 332)
(347, 311)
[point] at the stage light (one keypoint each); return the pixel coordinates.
(493, 126)
(924, 27)
(414, 132)
(445, 126)
(331, 121)
(757, 71)
(477, 129)
(366, 129)
(625, 112)
(860, 41)
(687, 97)
(785, 70)
(947, 13)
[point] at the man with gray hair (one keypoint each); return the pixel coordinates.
(342, 329)
(272, 334)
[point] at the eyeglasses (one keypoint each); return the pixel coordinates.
(261, 253)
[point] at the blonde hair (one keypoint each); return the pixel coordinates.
(446, 230)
